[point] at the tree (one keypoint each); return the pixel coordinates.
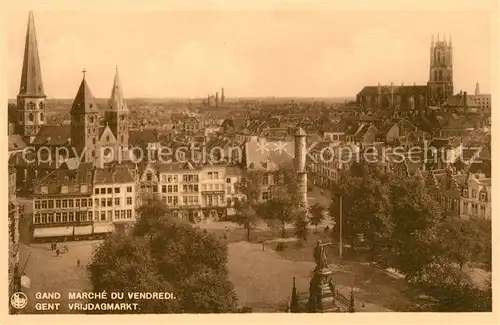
(165, 255)
(317, 214)
(284, 202)
(365, 205)
(245, 216)
(415, 215)
(301, 225)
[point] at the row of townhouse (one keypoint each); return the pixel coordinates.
(192, 192)
(475, 199)
(83, 202)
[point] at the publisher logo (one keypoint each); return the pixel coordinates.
(19, 300)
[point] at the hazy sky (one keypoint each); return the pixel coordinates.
(249, 53)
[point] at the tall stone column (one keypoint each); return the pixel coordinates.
(300, 164)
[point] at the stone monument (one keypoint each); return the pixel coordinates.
(322, 288)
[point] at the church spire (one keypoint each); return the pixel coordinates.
(31, 77)
(116, 101)
(84, 100)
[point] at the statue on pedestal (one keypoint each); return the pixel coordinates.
(320, 255)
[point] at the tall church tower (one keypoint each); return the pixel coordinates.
(31, 98)
(116, 116)
(440, 82)
(85, 124)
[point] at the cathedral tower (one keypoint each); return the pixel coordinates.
(31, 98)
(85, 124)
(441, 71)
(116, 116)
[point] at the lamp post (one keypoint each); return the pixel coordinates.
(340, 228)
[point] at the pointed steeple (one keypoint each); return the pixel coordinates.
(449, 44)
(84, 101)
(117, 102)
(432, 41)
(31, 77)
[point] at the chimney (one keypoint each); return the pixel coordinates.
(465, 99)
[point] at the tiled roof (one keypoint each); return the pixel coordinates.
(142, 137)
(16, 142)
(53, 135)
(113, 174)
(64, 177)
(260, 153)
(412, 90)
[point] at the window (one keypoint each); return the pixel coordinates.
(164, 188)
(110, 202)
(117, 214)
(129, 214)
(37, 218)
(265, 179)
(155, 188)
(117, 190)
(465, 192)
(149, 177)
(30, 117)
(129, 189)
(163, 178)
(103, 202)
(185, 200)
(169, 200)
(77, 203)
(44, 204)
(96, 215)
(123, 214)
(64, 203)
(103, 190)
(37, 204)
(265, 196)
(90, 202)
(483, 197)
(51, 217)
(103, 215)
(129, 200)
(216, 175)
(228, 180)
(96, 191)
(176, 200)
(96, 203)
(109, 190)
(473, 193)
(64, 217)
(58, 216)
(51, 204)
(483, 212)
(71, 217)
(58, 204)
(84, 203)
(70, 203)
(210, 175)
(117, 201)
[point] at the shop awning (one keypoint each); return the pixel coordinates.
(52, 232)
(83, 230)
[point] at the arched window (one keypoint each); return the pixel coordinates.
(30, 117)
(435, 75)
(41, 117)
(41, 105)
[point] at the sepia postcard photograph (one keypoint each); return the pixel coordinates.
(237, 158)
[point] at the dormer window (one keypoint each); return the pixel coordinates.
(64, 189)
(465, 192)
(44, 190)
(482, 196)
